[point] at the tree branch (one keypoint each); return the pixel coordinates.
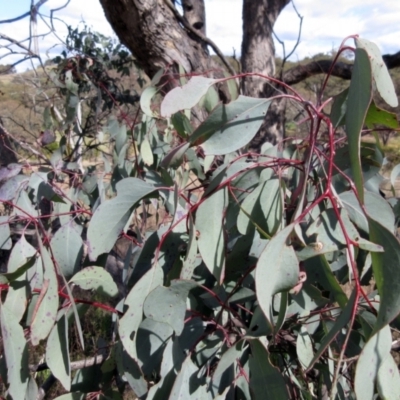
(34, 9)
(340, 69)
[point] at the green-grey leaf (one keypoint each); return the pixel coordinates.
(152, 337)
(304, 348)
(111, 217)
(57, 352)
(168, 305)
(32, 390)
(360, 94)
(338, 111)
(388, 381)
(96, 278)
(67, 247)
(187, 96)
(373, 354)
(231, 126)
(47, 310)
(277, 270)
(183, 386)
(145, 100)
(129, 323)
(209, 223)
(228, 358)
(129, 368)
(175, 157)
(380, 73)
(20, 254)
(264, 205)
(24, 205)
(146, 152)
(211, 99)
(375, 205)
(386, 273)
(15, 351)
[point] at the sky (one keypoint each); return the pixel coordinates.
(325, 24)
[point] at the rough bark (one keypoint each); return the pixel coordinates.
(258, 55)
(149, 29)
(258, 50)
(195, 12)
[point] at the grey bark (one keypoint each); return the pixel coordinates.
(258, 55)
(149, 29)
(258, 50)
(195, 12)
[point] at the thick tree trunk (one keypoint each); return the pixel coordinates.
(258, 50)
(258, 55)
(150, 30)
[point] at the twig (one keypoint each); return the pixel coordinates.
(34, 8)
(286, 57)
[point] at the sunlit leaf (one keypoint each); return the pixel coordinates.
(46, 313)
(67, 247)
(187, 96)
(145, 100)
(16, 353)
(231, 126)
(380, 73)
(57, 352)
(129, 323)
(95, 278)
(209, 223)
(360, 94)
(111, 217)
(371, 358)
(277, 270)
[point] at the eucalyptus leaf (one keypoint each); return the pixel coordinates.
(187, 96)
(57, 352)
(46, 313)
(211, 240)
(95, 278)
(67, 247)
(360, 94)
(232, 126)
(16, 353)
(373, 355)
(381, 76)
(111, 217)
(277, 270)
